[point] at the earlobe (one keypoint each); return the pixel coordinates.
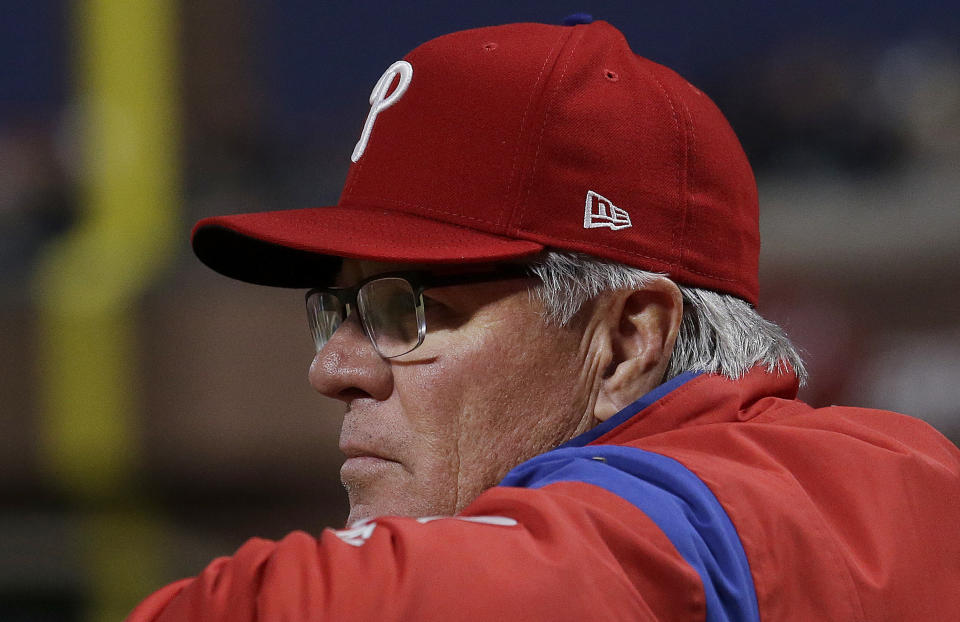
(621, 388)
(642, 327)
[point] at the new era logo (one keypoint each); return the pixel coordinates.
(600, 212)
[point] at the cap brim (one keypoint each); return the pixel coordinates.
(303, 247)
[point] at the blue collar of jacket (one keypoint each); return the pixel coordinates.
(632, 410)
(693, 398)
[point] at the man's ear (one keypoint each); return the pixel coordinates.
(642, 327)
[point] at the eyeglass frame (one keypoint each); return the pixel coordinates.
(419, 281)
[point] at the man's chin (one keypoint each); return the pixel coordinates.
(371, 485)
(361, 512)
(367, 510)
(385, 488)
(362, 507)
(368, 502)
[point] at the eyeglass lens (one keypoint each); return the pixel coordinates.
(388, 310)
(325, 313)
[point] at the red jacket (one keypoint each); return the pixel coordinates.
(707, 499)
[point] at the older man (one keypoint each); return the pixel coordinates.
(536, 298)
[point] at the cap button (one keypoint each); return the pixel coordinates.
(578, 18)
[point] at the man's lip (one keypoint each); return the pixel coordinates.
(351, 451)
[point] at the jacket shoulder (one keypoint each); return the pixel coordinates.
(841, 510)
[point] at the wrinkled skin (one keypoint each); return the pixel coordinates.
(492, 385)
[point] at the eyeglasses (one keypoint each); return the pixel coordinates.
(390, 305)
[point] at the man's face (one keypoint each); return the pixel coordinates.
(491, 386)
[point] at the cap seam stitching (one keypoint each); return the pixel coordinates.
(352, 178)
(523, 123)
(691, 154)
(543, 127)
(676, 122)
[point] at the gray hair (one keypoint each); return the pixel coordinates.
(719, 333)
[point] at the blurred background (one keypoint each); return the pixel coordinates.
(154, 415)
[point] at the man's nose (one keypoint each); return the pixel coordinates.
(348, 366)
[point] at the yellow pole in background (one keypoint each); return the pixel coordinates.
(89, 284)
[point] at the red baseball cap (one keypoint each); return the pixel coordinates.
(497, 143)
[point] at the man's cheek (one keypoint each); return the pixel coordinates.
(434, 395)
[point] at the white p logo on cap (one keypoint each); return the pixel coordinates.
(380, 102)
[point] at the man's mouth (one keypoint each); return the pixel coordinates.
(365, 468)
(368, 458)
(352, 451)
